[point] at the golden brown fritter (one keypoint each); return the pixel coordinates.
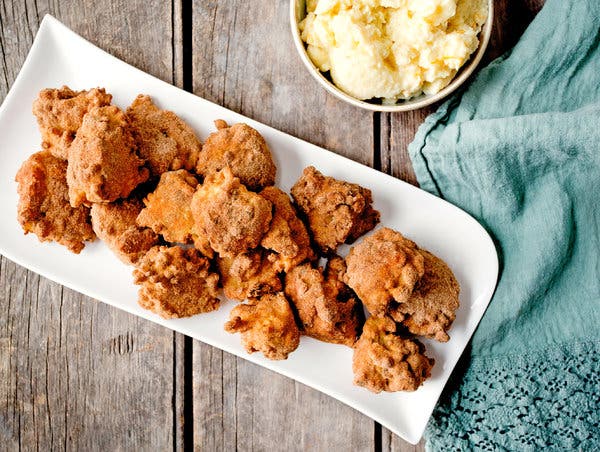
(383, 268)
(326, 307)
(168, 210)
(287, 235)
(115, 225)
(232, 218)
(103, 164)
(250, 275)
(243, 150)
(431, 308)
(267, 325)
(176, 282)
(60, 112)
(164, 139)
(385, 361)
(337, 211)
(44, 207)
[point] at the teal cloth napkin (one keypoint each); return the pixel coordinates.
(519, 150)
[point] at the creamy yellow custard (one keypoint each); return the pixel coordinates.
(392, 49)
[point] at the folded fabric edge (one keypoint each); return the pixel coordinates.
(415, 148)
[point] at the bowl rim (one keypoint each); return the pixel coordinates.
(412, 104)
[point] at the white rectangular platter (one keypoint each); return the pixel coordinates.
(59, 56)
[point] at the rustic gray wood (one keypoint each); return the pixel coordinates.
(398, 130)
(244, 59)
(76, 374)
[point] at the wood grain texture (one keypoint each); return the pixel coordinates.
(244, 59)
(398, 129)
(77, 374)
(70, 367)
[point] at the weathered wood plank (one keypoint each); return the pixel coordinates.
(393, 443)
(398, 130)
(77, 374)
(251, 66)
(511, 18)
(180, 360)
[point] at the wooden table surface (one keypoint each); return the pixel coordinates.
(77, 374)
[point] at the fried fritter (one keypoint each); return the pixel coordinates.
(176, 282)
(287, 235)
(103, 164)
(164, 139)
(250, 275)
(233, 219)
(168, 210)
(60, 112)
(337, 211)
(383, 268)
(327, 308)
(385, 361)
(243, 150)
(115, 224)
(44, 207)
(431, 308)
(267, 325)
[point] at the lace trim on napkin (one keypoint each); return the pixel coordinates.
(544, 401)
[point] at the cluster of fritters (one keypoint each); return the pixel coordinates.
(196, 218)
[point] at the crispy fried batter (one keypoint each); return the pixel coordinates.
(243, 150)
(250, 275)
(287, 235)
(382, 268)
(103, 165)
(384, 361)
(233, 219)
(337, 211)
(267, 325)
(95, 154)
(44, 207)
(115, 224)
(59, 113)
(164, 139)
(431, 308)
(168, 210)
(327, 308)
(176, 282)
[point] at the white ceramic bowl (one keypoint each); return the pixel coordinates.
(298, 12)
